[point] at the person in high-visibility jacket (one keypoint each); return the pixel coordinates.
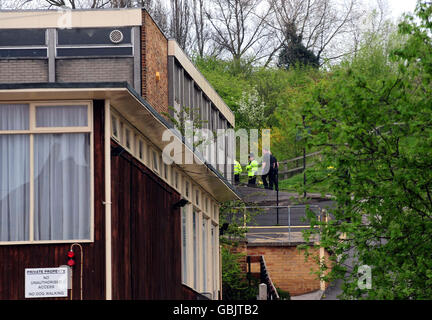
(237, 170)
(252, 169)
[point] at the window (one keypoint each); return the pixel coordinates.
(45, 172)
(176, 179)
(149, 156)
(121, 138)
(184, 244)
(204, 253)
(85, 42)
(140, 150)
(166, 169)
(155, 161)
(195, 217)
(197, 197)
(215, 212)
(187, 189)
(23, 43)
(215, 253)
(115, 128)
(128, 138)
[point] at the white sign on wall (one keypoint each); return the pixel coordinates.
(46, 282)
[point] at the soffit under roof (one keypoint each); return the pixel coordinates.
(137, 111)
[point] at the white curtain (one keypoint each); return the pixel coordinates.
(62, 186)
(14, 174)
(61, 116)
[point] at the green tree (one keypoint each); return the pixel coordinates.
(294, 53)
(373, 121)
(291, 99)
(231, 82)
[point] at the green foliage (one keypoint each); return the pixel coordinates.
(229, 80)
(288, 136)
(283, 294)
(236, 216)
(235, 285)
(372, 120)
(316, 182)
(264, 98)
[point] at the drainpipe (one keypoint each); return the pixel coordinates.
(107, 203)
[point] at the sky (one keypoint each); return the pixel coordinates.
(400, 6)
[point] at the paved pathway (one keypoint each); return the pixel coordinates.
(316, 295)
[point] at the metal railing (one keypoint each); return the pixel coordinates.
(288, 168)
(264, 276)
(279, 219)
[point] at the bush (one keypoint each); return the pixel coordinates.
(235, 285)
(283, 294)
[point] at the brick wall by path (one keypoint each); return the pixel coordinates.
(154, 50)
(287, 268)
(23, 71)
(95, 70)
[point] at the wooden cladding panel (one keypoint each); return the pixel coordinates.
(146, 233)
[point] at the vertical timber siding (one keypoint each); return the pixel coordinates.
(146, 233)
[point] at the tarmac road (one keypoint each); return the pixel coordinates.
(271, 222)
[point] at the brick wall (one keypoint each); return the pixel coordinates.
(154, 51)
(287, 268)
(95, 70)
(23, 71)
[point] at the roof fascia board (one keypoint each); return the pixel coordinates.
(62, 18)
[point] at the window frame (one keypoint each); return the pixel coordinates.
(139, 142)
(128, 135)
(34, 130)
(87, 46)
(187, 188)
(154, 161)
(195, 281)
(115, 119)
(186, 244)
(196, 196)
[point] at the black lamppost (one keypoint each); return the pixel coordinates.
(304, 159)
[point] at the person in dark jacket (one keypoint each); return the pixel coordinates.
(273, 173)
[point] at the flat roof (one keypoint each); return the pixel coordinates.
(141, 115)
(64, 18)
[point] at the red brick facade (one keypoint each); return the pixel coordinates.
(154, 59)
(288, 268)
